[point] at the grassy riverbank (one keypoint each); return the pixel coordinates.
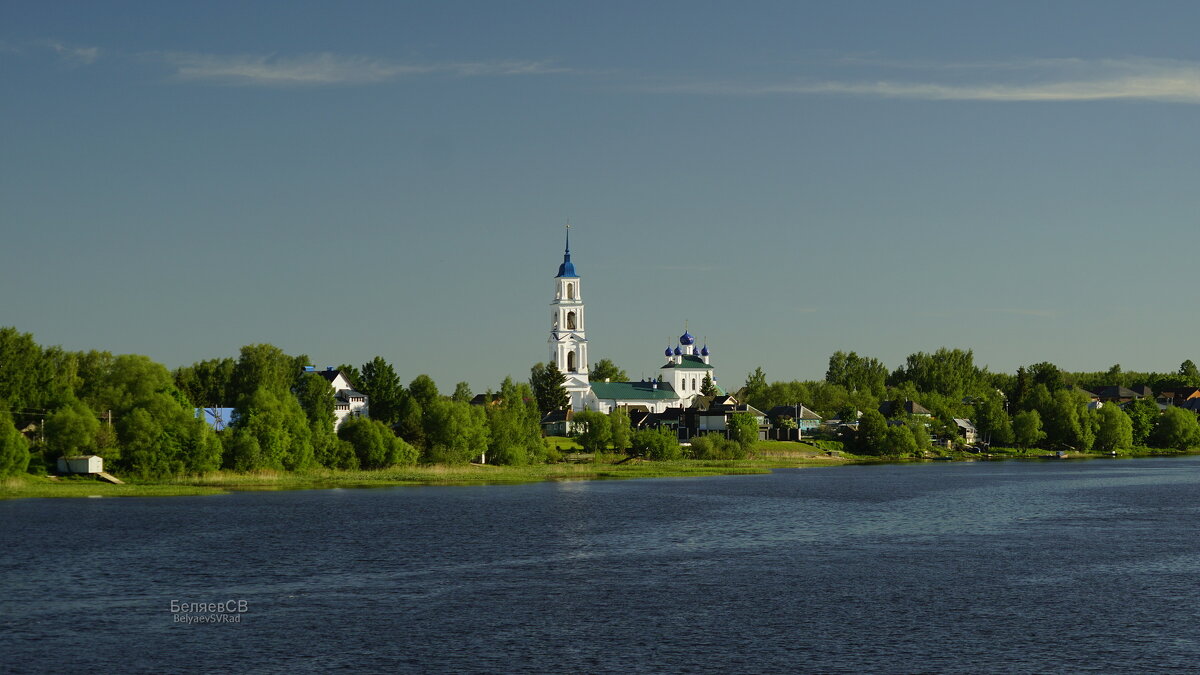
(768, 456)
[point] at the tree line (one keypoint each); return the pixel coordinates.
(1038, 406)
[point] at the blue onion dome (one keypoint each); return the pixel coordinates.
(686, 339)
(695, 351)
(667, 352)
(567, 268)
(678, 351)
(704, 352)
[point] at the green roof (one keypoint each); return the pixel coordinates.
(690, 361)
(626, 391)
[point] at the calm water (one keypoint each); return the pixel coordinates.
(1011, 567)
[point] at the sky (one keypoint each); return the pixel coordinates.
(352, 179)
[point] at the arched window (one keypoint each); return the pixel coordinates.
(693, 384)
(554, 319)
(571, 362)
(570, 320)
(570, 291)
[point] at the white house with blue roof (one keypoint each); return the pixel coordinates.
(678, 385)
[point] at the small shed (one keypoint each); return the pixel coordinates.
(81, 464)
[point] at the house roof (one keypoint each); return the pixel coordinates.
(791, 411)
(964, 424)
(1114, 392)
(557, 416)
(910, 407)
(633, 391)
(690, 362)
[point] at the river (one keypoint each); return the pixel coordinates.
(1071, 566)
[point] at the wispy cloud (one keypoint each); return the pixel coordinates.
(1024, 80)
(332, 69)
(74, 53)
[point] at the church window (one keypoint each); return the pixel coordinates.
(693, 384)
(570, 291)
(570, 320)
(554, 319)
(571, 362)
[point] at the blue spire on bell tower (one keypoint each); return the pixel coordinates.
(567, 268)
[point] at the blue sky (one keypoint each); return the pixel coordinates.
(353, 179)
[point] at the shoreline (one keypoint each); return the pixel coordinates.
(45, 487)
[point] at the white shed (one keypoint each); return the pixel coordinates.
(81, 464)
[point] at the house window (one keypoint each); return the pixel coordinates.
(570, 320)
(571, 361)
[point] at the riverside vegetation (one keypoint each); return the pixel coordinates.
(141, 418)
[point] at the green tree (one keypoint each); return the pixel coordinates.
(1027, 429)
(743, 428)
(316, 400)
(856, 373)
(463, 393)
(514, 432)
(383, 390)
(1069, 422)
(411, 421)
(14, 449)
(264, 366)
(374, 444)
(596, 431)
(920, 434)
(1115, 430)
(279, 430)
(424, 389)
(872, 433)
(605, 370)
(992, 421)
(949, 372)
(898, 440)
(71, 430)
(549, 387)
(708, 388)
(1189, 373)
(622, 432)
(1143, 414)
(455, 432)
(755, 390)
(1177, 428)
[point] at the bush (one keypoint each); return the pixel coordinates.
(657, 444)
(713, 446)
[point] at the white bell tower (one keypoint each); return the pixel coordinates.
(568, 341)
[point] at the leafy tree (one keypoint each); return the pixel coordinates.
(14, 449)
(1115, 431)
(605, 370)
(455, 432)
(424, 389)
(1189, 373)
(549, 387)
(872, 433)
(383, 390)
(920, 435)
(273, 433)
(596, 431)
(949, 372)
(1143, 414)
(463, 393)
(410, 424)
(514, 432)
(1027, 429)
(374, 444)
(264, 366)
(992, 422)
(1177, 428)
(755, 390)
(317, 401)
(659, 444)
(743, 428)
(1114, 376)
(1047, 374)
(622, 432)
(856, 373)
(1068, 421)
(708, 388)
(207, 384)
(899, 441)
(70, 430)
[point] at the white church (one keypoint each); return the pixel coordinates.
(682, 375)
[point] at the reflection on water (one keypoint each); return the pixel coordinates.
(938, 567)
